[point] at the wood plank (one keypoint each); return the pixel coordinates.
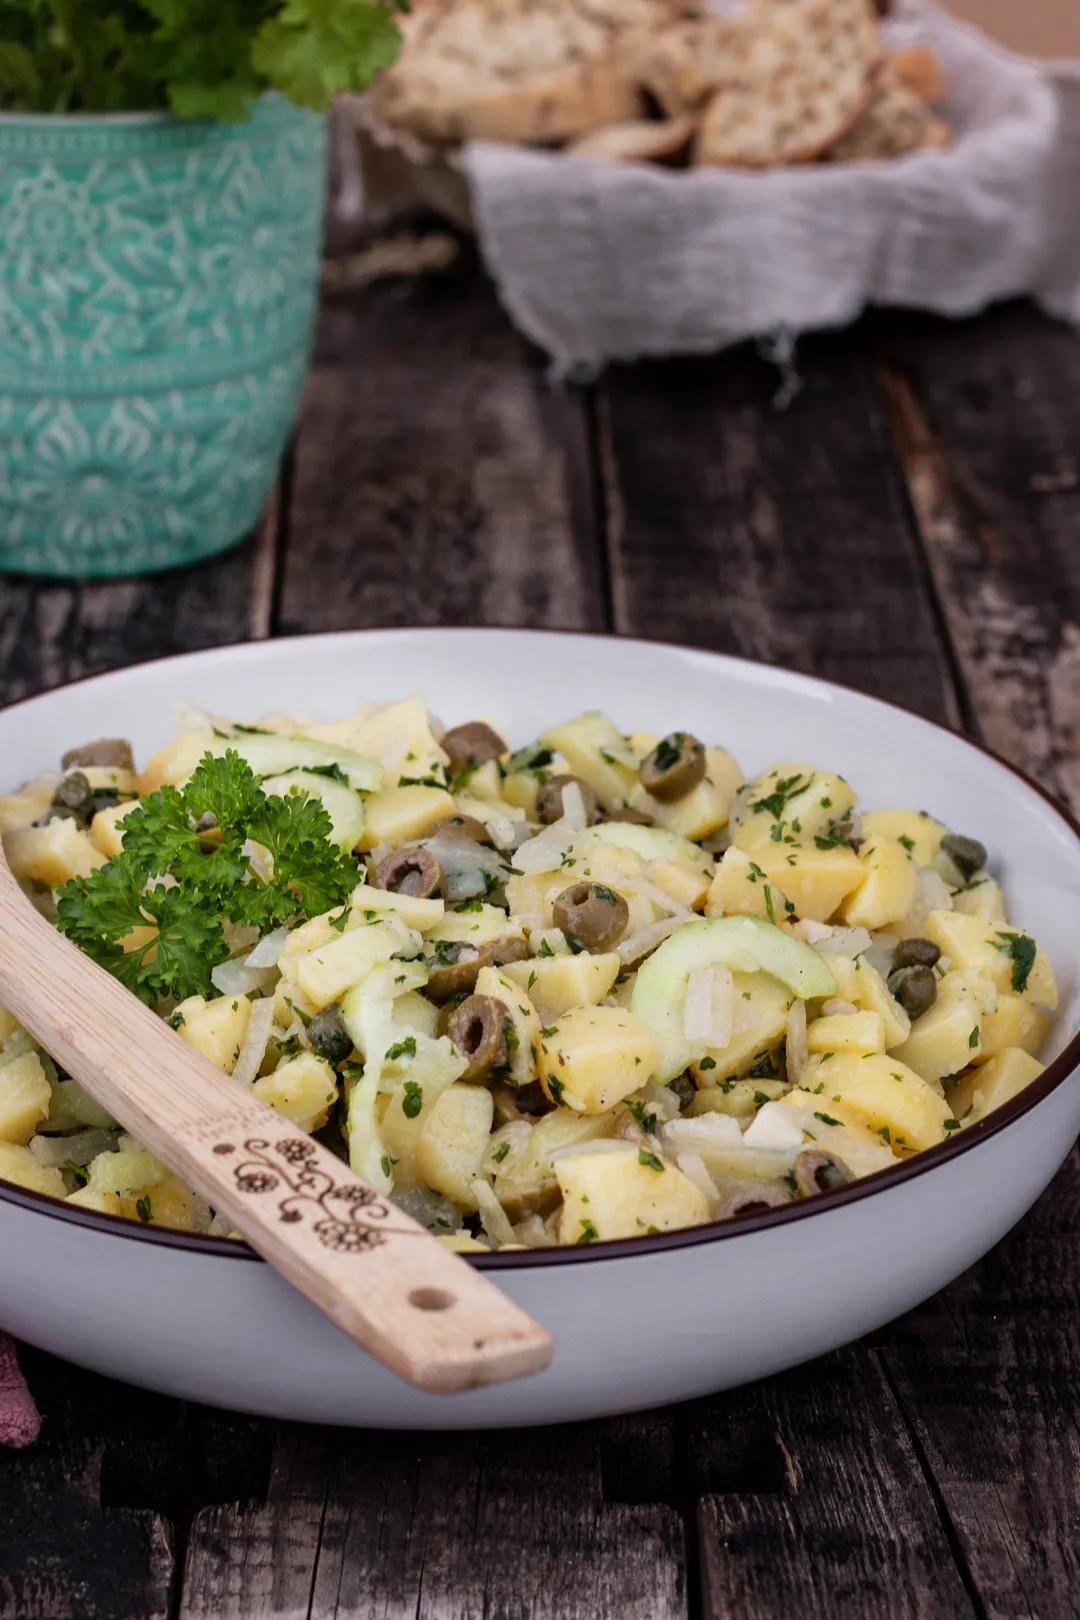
(986, 419)
(439, 478)
(852, 1528)
(437, 1527)
(52, 632)
(778, 535)
(65, 1552)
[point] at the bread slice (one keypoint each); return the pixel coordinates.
(682, 66)
(896, 122)
(518, 70)
(799, 80)
(656, 141)
(919, 67)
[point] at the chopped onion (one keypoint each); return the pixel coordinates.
(635, 946)
(235, 978)
(703, 1130)
(253, 1047)
(834, 1007)
(810, 932)
(931, 894)
(533, 1233)
(693, 1168)
(545, 852)
(192, 717)
(709, 1009)
(78, 1148)
(268, 950)
(495, 1221)
(774, 1126)
(468, 868)
(844, 942)
(879, 953)
(797, 1051)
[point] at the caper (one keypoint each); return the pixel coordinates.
(72, 793)
(458, 826)
(675, 766)
(966, 854)
(478, 1030)
(636, 818)
(817, 1172)
(114, 753)
(591, 915)
(549, 801)
(915, 988)
(753, 1198)
(472, 744)
(411, 870)
(916, 952)
(328, 1036)
(684, 1089)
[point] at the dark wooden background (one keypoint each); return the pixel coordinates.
(910, 525)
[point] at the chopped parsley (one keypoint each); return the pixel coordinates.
(602, 892)
(387, 1163)
(951, 1125)
(827, 1119)
(646, 1119)
(500, 1152)
(973, 1038)
(412, 1099)
(589, 1234)
(650, 1160)
(545, 949)
(555, 1088)
(707, 1063)
(143, 1208)
(401, 1049)
(1023, 951)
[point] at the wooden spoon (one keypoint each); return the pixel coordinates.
(415, 1305)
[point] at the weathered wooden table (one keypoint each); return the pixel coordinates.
(910, 525)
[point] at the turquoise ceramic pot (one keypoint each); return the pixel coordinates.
(158, 282)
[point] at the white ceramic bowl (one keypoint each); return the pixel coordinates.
(636, 1323)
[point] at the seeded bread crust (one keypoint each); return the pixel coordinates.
(514, 70)
(897, 122)
(642, 142)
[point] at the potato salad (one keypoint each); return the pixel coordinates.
(595, 987)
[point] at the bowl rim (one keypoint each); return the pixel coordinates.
(942, 1153)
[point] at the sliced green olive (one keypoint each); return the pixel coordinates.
(675, 766)
(817, 1172)
(966, 854)
(478, 1030)
(411, 870)
(549, 801)
(73, 793)
(457, 826)
(472, 744)
(915, 988)
(916, 952)
(114, 753)
(754, 1198)
(457, 964)
(591, 915)
(637, 818)
(328, 1036)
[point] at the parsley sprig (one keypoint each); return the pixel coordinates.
(186, 867)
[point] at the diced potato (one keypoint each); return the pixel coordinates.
(860, 983)
(1014, 1022)
(461, 1243)
(25, 1096)
(758, 1026)
(22, 809)
(887, 892)
(523, 1029)
(107, 827)
(175, 762)
(863, 1150)
(400, 815)
(522, 789)
(454, 1141)
(478, 927)
(170, 1203)
(557, 983)
(485, 785)
(882, 1093)
(414, 1011)
(413, 911)
(18, 1165)
(816, 881)
(739, 1098)
(52, 854)
(593, 1057)
(131, 1171)
(847, 1032)
(741, 888)
(303, 1088)
(103, 1203)
(983, 899)
(810, 802)
(8, 1024)
(398, 735)
(524, 1178)
(609, 1191)
(989, 947)
(424, 1078)
(922, 832)
(992, 1084)
(214, 1028)
(326, 973)
(685, 881)
(71, 1105)
(706, 808)
(947, 1037)
(596, 751)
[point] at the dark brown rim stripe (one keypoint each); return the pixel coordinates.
(621, 1248)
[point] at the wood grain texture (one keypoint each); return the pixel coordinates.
(53, 632)
(986, 421)
(778, 535)
(387, 1527)
(852, 1528)
(439, 479)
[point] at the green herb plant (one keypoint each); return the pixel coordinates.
(195, 58)
(190, 862)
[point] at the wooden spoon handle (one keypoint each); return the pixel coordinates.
(415, 1305)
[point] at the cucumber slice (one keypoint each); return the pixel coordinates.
(269, 754)
(651, 843)
(344, 807)
(743, 944)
